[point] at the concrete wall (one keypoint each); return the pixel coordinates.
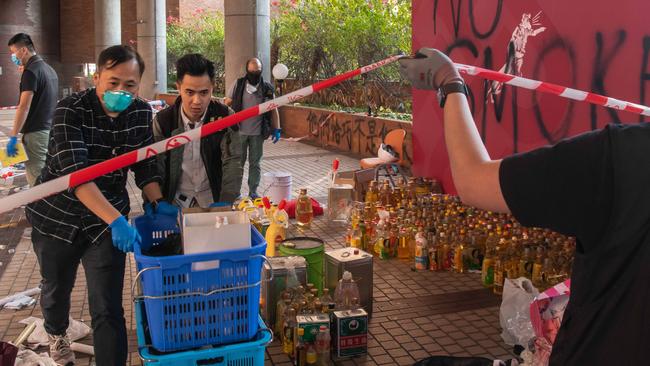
(357, 134)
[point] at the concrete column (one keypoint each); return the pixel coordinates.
(152, 46)
(247, 34)
(108, 25)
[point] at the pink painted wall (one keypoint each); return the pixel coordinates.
(592, 45)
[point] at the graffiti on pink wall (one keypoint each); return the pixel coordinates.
(576, 44)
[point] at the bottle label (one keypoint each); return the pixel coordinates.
(487, 272)
(421, 263)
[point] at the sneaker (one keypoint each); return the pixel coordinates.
(254, 195)
(60, 350)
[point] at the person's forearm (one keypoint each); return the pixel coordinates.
(90, 195)
(152, 191)
(19, 120)
(471, 165)
(275, 118)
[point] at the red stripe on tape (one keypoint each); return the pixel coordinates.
(335, 80)
(493, 75)
(220, 124)
(87, 174)
(596, 99)
(630, 108)
(551, 88)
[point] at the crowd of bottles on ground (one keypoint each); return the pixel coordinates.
(304, 319)
(439, 233)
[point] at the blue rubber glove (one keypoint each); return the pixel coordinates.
(11, 146)
(167, 209)
(124, 235)
(163, 208)
(276, 135)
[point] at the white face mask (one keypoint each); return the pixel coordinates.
(250, 89)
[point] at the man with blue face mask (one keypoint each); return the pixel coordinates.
(88, 223)
(39, 86)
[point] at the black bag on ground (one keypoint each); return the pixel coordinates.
(454, 361)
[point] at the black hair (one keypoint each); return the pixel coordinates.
(115, 55)
(251, 60)
(22, 40)
(194, 64)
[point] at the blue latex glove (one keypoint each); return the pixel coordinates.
(276, 135)
(163, 208)
(11, 146)
(124, 235)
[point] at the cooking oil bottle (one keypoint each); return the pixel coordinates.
(304, 210)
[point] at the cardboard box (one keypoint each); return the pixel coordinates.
(359, 179)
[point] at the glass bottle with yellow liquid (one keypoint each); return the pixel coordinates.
(537, 269)
(500, 270)
(304, 210)
(372, 195)
(403, 246)
(487, 267)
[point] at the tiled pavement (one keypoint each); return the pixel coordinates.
(415, 314)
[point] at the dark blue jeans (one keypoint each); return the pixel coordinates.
(104, 268)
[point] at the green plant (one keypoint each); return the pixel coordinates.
(318, 39)
(202, 33)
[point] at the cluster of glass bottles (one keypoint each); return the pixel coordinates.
(298, 300)
(438, 233)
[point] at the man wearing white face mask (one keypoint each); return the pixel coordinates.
(88, 223)
(39, 86)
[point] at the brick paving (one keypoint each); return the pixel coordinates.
(415, 315)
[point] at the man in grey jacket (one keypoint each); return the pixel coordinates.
(206, 171)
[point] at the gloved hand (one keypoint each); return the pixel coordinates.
(124, 235)
(11, 146)
(276, 135)
(162, 208)
(429, 69)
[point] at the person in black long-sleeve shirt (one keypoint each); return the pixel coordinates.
(594, 187)
(87, 223)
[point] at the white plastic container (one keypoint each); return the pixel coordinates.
(278, 186)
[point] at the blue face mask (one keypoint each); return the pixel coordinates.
(15, 59)
(117, 101)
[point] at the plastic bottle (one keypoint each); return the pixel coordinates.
(311, 357)
(323, 341)
(276, 232)
(301, 350)
(304, 210)
(537, 269)
(288, 329)
(326, 301)
(345, 291)
(421, 252)
(280, 310)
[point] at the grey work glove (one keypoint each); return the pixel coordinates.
(429, 69)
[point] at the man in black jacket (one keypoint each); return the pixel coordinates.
(247, 92)
(206, 171)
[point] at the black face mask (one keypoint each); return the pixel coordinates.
(253, 77)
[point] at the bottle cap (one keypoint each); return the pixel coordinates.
(347, 275)
(356, 252)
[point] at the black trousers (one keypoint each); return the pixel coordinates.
(104, 268)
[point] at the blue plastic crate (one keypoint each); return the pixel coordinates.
(240, 354)
(188, 309)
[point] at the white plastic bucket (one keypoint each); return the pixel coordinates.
(278, 186)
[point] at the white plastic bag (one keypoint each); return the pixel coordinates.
(514, 313)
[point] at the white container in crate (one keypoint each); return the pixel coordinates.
(201, 234)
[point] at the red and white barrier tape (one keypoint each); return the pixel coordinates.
(550, 88)
(87, 174)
